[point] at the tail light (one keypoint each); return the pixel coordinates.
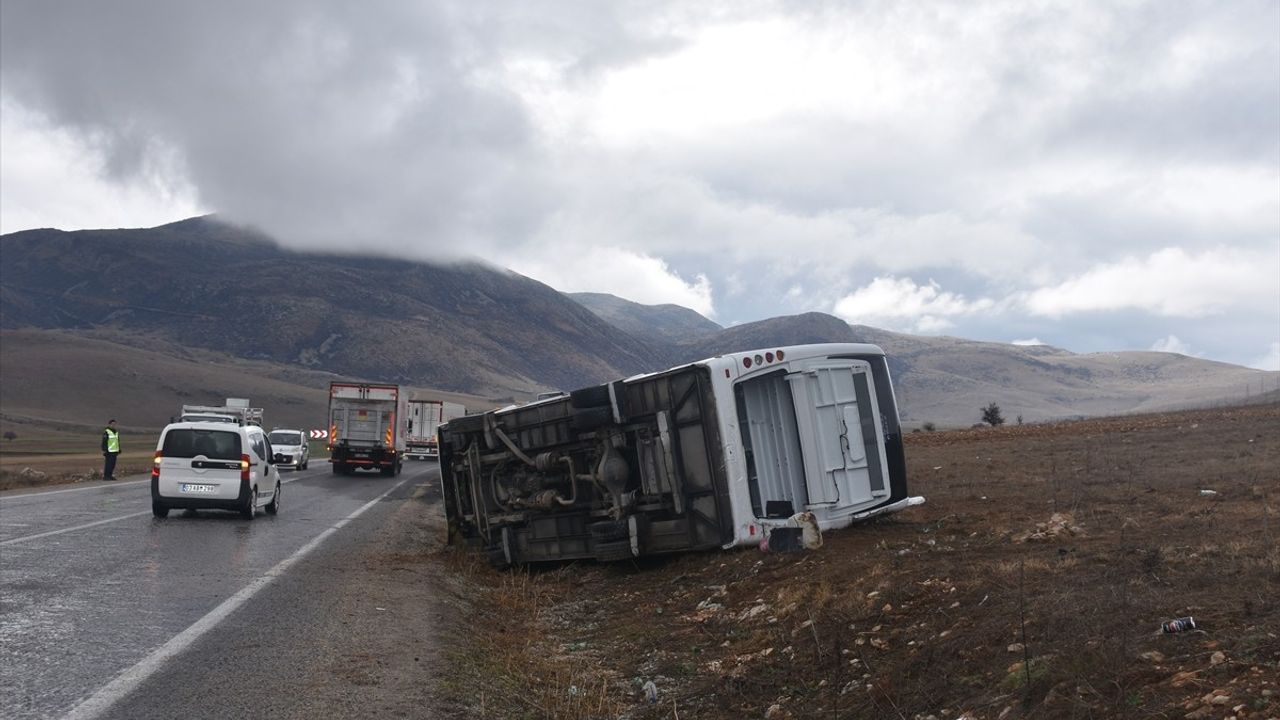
(155, 466)
(244, 467)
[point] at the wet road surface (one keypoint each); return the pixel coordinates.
(99, 601)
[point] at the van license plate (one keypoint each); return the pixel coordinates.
(191, 488)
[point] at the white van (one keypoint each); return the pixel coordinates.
(291, 449)
(214, 465)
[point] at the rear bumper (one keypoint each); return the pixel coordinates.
(192, 502)
(375, 458)
(422, 450)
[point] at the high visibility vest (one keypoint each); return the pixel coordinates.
(113, 441)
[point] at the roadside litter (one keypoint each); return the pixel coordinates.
(1179, 625)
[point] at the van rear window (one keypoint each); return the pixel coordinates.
(213, 444)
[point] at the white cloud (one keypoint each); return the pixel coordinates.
(637, 277)
(53, 177)
(1171, 344)
(1171, 282)
(1029, 342)
(1042, 161)
(901, 304)
(1269, 361)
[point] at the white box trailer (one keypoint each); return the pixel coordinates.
(423, 419)
(366, 427)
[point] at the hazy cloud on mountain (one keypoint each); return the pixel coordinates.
(1091, 176)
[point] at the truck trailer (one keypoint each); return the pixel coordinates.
(739, 449)
(366, 427)
(424, 418)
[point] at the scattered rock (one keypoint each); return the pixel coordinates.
(1057, 525)
(1017, 648)
(650, 692)
(1152, 656)
(1217, 658)
(774, 712)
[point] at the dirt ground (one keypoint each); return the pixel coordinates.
(1033, 584)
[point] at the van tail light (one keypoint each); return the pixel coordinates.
(244, 467)
(155, 466)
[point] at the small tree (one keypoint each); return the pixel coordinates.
(1019, 418)
(10, 435)
(991, 415)
(930, 427)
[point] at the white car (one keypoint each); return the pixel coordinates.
(291, 449)
(214, 465)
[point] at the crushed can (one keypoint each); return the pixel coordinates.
(1179, 625)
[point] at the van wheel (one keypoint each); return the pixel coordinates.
(273, 508)
(251, 507)
(159, 509)
(338, 469)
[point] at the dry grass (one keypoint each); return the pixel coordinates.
(918, 613)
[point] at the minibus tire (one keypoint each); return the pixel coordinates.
(611, 551)
(591, 397)
(498, 558)
(159, 509)
(606, 530)
(590, 418)
(466, 424)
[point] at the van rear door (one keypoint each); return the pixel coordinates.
(841, 438)
(201, 457)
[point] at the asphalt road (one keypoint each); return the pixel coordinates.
(106, 611)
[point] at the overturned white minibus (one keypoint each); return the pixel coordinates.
(713, 454)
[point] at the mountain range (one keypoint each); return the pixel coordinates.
(217, 295)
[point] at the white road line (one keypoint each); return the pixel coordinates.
(122, 483)
(130, 679)
(25, 538)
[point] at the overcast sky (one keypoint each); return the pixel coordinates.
(1096, 176)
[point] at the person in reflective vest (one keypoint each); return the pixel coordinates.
(110, 450)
